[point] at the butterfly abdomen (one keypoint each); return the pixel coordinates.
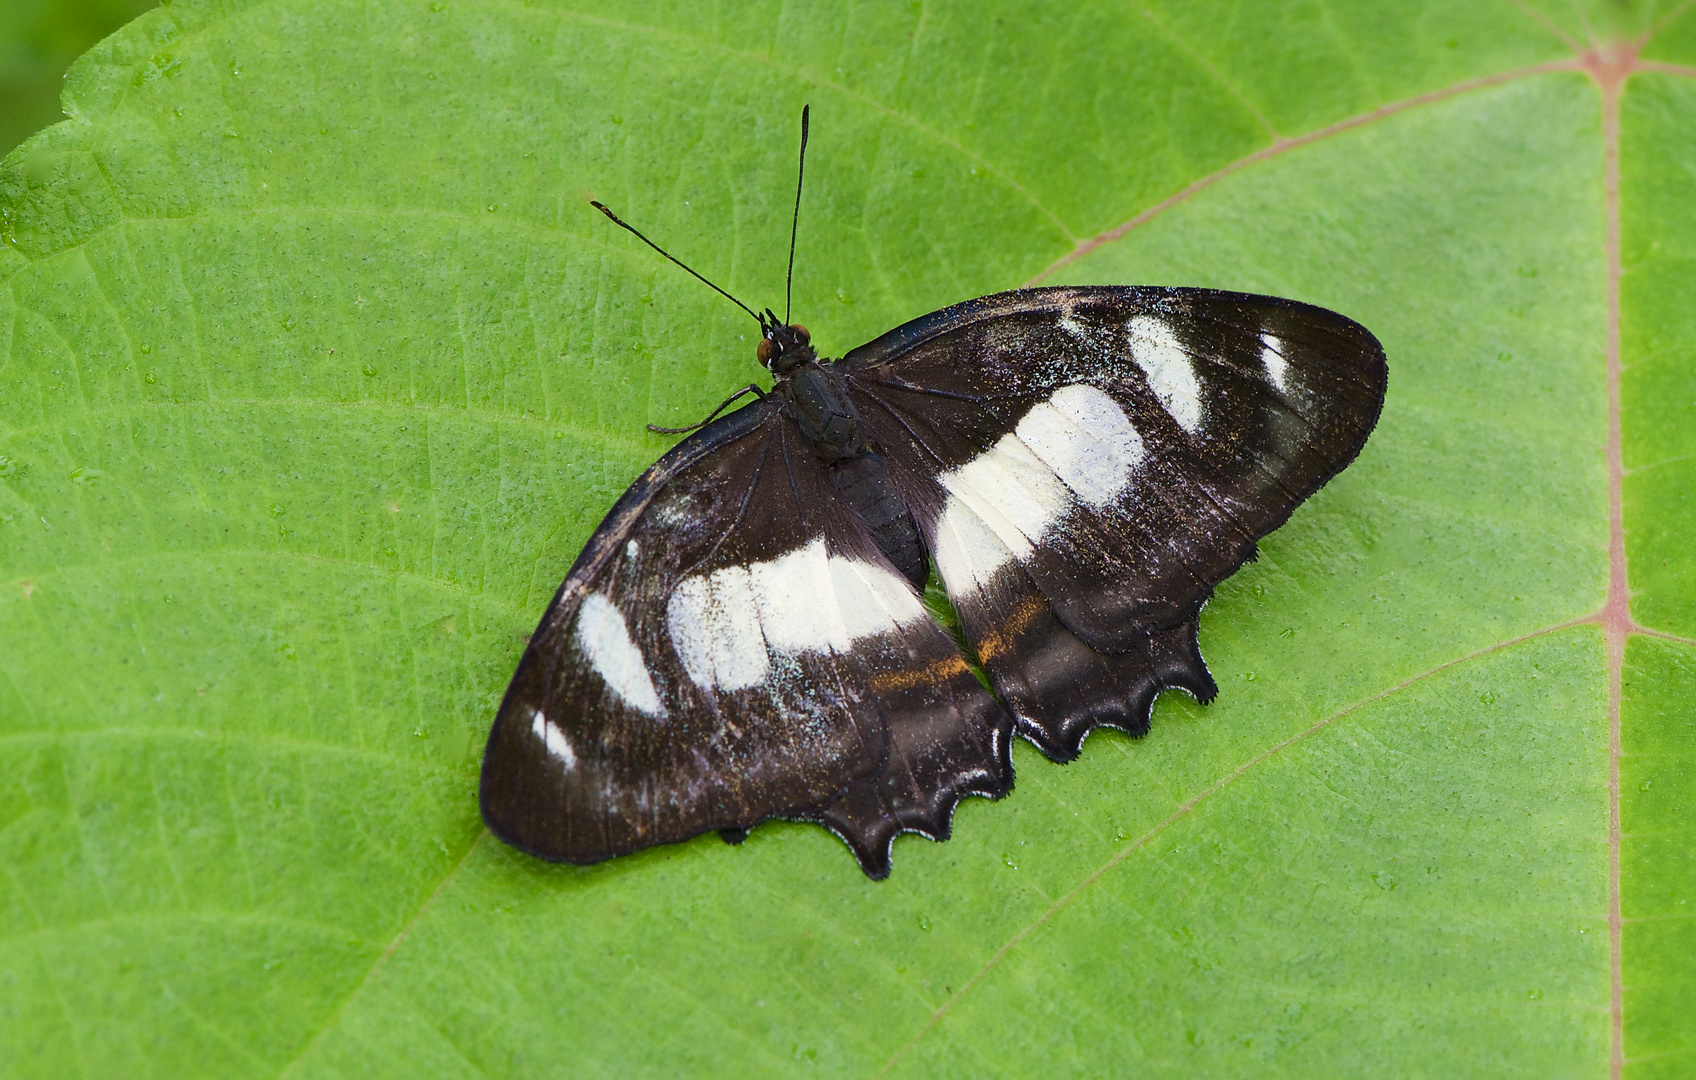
(865, 485)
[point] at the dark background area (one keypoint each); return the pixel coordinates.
(38, 41)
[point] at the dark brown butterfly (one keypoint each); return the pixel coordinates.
(743, 637)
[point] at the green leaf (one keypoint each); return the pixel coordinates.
(316, 369)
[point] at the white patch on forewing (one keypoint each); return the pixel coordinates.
(631, 550)
(870, 599)
(1076, 447)
(603, 637)
(968, 553)
(1086, 438)
(715, 629)
(727, 625)
(553, 739)
(798, 606)
(1072, 326)
(1274, 363)
(1012, 490)
(1170, 373)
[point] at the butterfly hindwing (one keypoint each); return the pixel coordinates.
(1087, 463)
(1058, 687)
(730, 647)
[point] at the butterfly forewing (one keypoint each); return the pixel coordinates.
(731, 647)
(1126, 446)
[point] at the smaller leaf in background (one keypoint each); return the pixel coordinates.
(38, 40)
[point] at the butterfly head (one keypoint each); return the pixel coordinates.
(784, 346)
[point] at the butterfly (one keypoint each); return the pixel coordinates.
(745, 636)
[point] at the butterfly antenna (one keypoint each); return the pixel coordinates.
(621, 223)
(795, 222)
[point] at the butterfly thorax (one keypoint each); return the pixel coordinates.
(817, 399)
(819, 403)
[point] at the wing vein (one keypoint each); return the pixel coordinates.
(902, 420)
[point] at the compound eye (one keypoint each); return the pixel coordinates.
(767, 351)
(801, 332)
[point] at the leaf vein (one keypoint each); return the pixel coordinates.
(942, 1011)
